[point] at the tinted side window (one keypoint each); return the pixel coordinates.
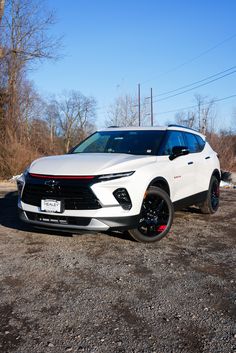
(192, 142)
(175, 138)
(201, 143)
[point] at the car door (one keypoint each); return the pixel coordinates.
(181, 169)
(205, 164)
(201, 178)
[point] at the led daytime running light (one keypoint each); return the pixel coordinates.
(115, 175)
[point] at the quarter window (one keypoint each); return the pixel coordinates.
(192, 142)
(201, 143)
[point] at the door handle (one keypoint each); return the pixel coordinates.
(208, 157)
(190, 163)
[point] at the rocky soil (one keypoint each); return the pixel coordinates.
(105, 293)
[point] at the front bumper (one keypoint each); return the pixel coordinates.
(74, 223)
(87, 206)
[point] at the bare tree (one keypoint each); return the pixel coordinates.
(187, 119)
(124, 112)
(76, 116)
(40, 136)
(202, 118)
(31, 107)
(25, 41)
(206, 114)
(2, 4)
(52, 118)
(233, 121)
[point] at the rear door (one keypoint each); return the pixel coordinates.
(181, 169)
(201, 175)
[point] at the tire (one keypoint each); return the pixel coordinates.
(156, 216)
(211, 204)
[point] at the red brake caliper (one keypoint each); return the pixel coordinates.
(161, 228)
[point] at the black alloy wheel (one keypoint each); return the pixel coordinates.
(156, 216)
(215, 195)
(211, 204)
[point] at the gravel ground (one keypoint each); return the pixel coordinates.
(105, 293)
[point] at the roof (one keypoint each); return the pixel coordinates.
(153, 128)
(134, 128)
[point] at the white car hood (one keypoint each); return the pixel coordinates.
(89, 164)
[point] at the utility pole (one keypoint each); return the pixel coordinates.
(151, 109)
(139, 106)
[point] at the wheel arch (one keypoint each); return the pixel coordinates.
(217, 174)
(161, 183)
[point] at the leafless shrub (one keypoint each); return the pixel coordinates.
(225, 144)
(14, 156)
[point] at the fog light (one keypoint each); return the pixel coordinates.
(123, 198)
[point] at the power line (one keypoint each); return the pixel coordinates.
(192, 59)
(194, 83)
(188, 85)
(191, 89)
(195, 106)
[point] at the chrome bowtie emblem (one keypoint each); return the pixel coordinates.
(53, 186)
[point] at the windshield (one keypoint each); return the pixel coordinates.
(141, 142)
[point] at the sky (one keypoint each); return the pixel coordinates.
(111, 46)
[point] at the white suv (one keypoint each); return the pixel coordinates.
(122, 179)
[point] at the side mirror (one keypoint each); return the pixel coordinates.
(178, 151)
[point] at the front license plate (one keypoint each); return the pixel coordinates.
(49, 205)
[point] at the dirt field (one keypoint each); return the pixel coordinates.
(105, 293)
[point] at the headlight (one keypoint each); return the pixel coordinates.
(107, 177)
(21, 181)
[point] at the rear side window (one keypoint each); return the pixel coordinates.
(192, 142)
(175, 138)
(201, 143)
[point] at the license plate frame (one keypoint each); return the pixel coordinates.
(51, 206)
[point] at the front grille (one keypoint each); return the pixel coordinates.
(62, 220)
(75, 194)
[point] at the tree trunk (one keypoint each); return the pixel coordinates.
(2, 2)
(1, 10)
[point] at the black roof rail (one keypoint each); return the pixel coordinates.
(113, 126)
(182, 126)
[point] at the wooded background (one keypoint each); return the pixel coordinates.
(32, 126)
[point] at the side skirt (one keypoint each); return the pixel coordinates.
(190, 200)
